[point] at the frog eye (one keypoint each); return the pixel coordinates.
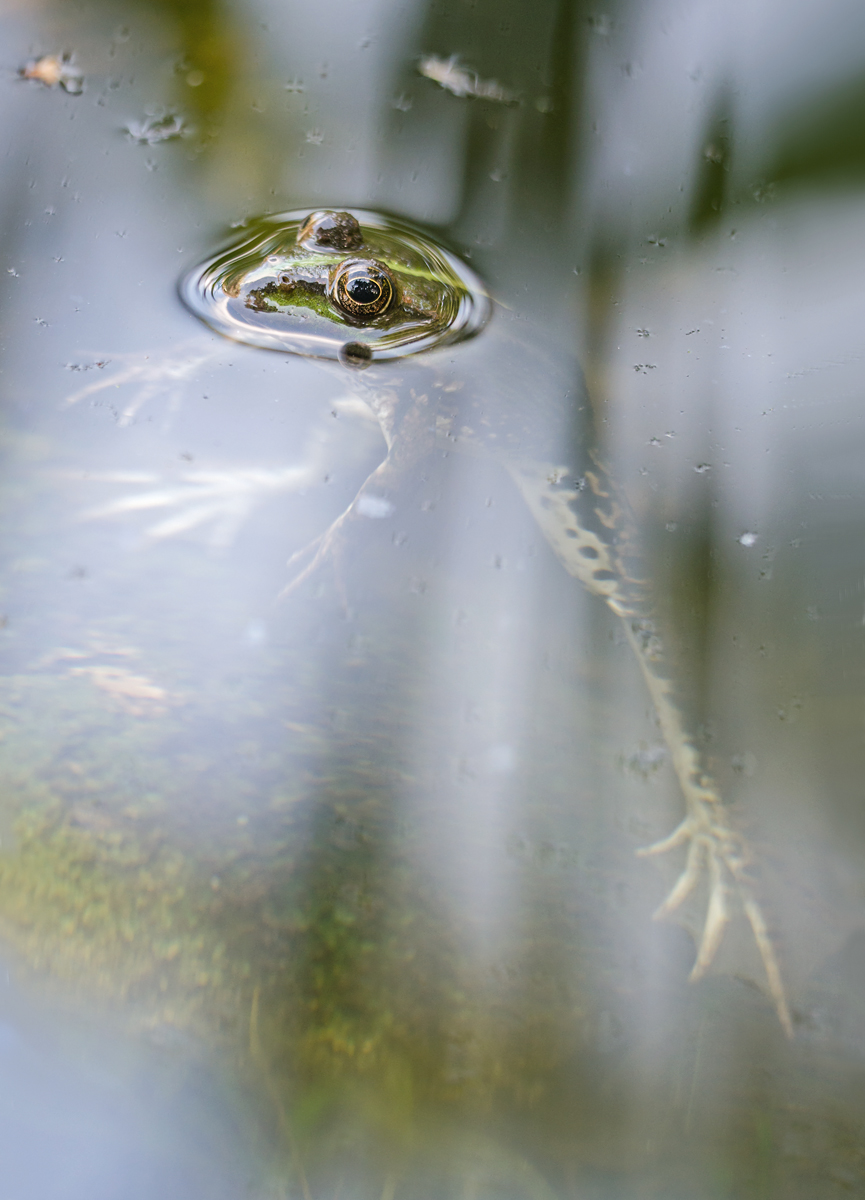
(363, 290)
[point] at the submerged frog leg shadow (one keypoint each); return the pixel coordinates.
(588, 529)
(416, 440)
(223, 496)
(223, 499)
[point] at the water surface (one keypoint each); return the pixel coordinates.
(345, 881)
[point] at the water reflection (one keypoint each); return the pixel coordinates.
(370, 850)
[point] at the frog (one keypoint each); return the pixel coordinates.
(385, 304)
(350, 286)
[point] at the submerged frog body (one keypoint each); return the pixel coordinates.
(360, 287)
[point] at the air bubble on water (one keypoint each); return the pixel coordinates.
(255, 633)
(314, 137)
(748, 539)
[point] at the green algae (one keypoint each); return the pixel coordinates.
(304, 942)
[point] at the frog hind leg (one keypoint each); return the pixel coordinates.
(587, 526)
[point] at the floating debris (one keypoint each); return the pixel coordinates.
(462, 81)
(748, 539)
(87, 366)
(54, 70)
(166, 377)
(156, 128)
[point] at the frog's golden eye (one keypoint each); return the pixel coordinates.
(362, 289)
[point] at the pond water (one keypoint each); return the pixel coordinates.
(325, 764)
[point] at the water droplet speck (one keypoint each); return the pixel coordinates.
(157, 127)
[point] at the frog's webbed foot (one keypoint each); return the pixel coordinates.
(716, 850)
(714, 846)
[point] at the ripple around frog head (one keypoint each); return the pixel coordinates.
(341, 284)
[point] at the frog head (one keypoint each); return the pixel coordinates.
(352, 285)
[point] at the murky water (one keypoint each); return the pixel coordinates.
(323, 778)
